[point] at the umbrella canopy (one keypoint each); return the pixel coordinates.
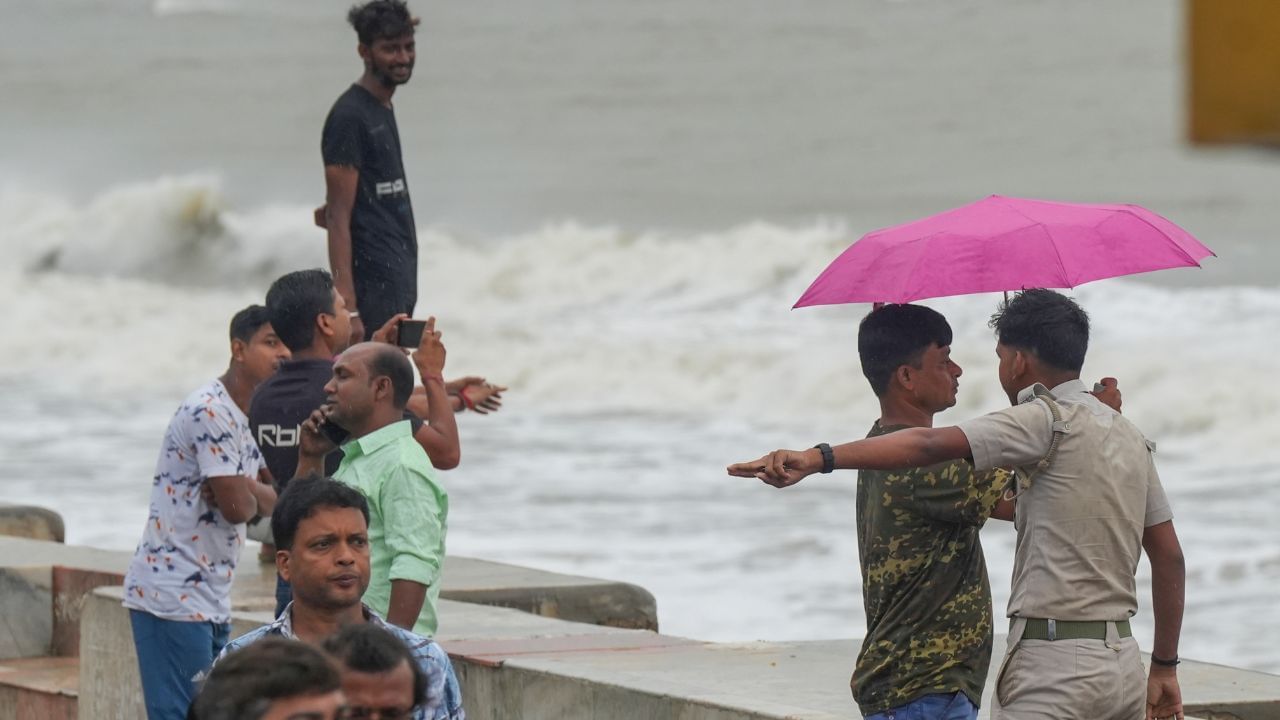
(1003, 243)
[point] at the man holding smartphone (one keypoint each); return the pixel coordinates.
(408, 507)
(312, 320)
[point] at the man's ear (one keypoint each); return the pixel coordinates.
(1021, 363)
(282, 564)
(238, 348)
(324, 324)
(904, 377)
(382, 388)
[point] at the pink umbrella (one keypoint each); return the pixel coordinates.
(1003, 243)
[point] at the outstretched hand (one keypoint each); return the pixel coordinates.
(477, 394)
(780, 468)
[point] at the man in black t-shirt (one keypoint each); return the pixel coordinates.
(373, 244)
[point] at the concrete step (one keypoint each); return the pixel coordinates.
(41, 687)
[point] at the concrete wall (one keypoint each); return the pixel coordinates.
(29, 521)
(513, 665)
(26, 611)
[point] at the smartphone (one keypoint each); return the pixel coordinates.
(335, 432)
(409, 333)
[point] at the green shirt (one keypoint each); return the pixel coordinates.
(408, 515)
(924, 582)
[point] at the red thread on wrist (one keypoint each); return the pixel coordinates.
(437, 378)
(466, 401)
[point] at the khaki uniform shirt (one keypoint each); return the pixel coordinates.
(1080, 524)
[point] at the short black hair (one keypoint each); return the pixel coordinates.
(302, 497)
(367, 648)
(380, 19)
(389, 360)
(294, 301)
(242, 685)
(1049, 325)
(895, 335)
(246, 322)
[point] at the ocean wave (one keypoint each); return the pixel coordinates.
(597, 320)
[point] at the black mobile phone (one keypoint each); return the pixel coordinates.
(335, 432)
(409, 333)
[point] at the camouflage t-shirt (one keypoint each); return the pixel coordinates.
(924, 581)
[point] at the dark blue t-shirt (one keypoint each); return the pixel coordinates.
(278, 408)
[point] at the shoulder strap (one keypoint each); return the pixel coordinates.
(1020, 481)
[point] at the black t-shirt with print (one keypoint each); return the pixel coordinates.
(362, 133)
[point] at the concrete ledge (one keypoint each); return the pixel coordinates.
(554, 595)
(566, 597)
(515, 665)
(42, 688)
(29, 521)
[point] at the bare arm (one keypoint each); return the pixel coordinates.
(439, 435)
(265, 492)
(235, 497)
(340, 182)
(1168, 592)
(407, 598)
(914, 447)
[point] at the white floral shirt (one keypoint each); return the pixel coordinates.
(182, 569)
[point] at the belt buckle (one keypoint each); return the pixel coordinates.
(1053, 629)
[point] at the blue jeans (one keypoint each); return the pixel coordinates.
(932, 707)
(170, 655)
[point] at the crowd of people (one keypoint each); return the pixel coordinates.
(319, 442)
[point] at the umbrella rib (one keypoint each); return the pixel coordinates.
(1162, 233)
(924, 246)
(1040, 226)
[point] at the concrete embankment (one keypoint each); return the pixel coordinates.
(66, 649)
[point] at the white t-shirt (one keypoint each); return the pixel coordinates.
(182, 569)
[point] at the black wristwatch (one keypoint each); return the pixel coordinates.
(828, 457)
(1165, 663)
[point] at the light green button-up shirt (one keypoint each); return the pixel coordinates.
(408, 515)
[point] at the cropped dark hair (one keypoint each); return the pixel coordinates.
(294, 301)
(367, 648)
(380, 19)
(302, 497)
(1051, 326)
(242, 685)
(246, 322)
(896, 335)
(388, 360)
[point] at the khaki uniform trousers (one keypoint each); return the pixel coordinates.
(1070, 679)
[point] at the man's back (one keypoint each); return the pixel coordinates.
(1080, 523)
(278, 408)
(924, 579)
